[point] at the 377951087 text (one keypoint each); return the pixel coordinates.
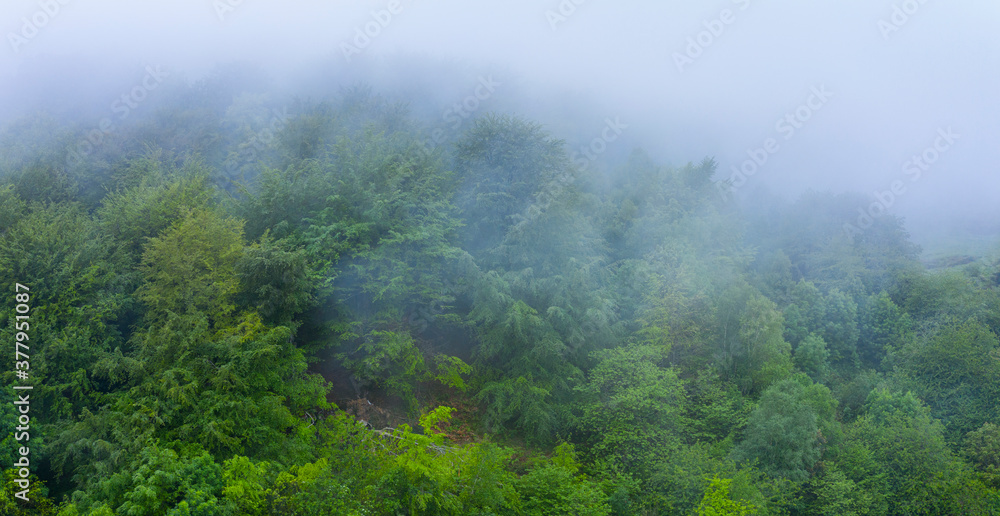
(22, 401)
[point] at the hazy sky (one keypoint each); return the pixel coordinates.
(868, 84)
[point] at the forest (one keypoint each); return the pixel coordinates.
(246, 304)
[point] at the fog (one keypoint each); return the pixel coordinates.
(797, 96)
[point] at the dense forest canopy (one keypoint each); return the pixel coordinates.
(246, 304)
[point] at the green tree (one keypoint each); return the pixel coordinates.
(146, 205)
(956, 371)
(812, 357)
(840, 326)
(982, 447)
(555, 488)
(632, 409)
(191, 267)
(833, 316)
(503, 162)
(715, 409)
(753, 354)
(832, 493)
(921, 475)
(274, 281)
(884, 328)
(787, 431)
(718, 501)
(805, 314)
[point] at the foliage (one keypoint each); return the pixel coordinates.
(556, 488)
(613, 339)
(717, 501)
(191, 267)
(785, 433)
(956, 370)
(812, 357)
(884, 328)
(631, 410)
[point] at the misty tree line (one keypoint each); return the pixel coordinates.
(540, 338)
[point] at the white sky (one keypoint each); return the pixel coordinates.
(940, 69)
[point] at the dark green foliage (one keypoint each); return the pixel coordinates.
(555, 488)
(149, 203)
(982, 447)
(812, 357)
(274, 281)
(44, 184)
(956, 370)
(715, 410)
(884, 329)
(903, 453)
(832, 317)
(79, 288)
(631, 411)
(787, 432)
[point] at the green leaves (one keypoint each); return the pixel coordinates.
(388, 359)
(274, 281)
(956, 370)
(921, 475)
(521, 404)
(812, 357)
(833, 317)
(718, 501)
(884, 328)
(551, 489)
(631, 409)
(833, 493)
(78, 292)
(750, 351)
(450, 371)
(785, 434)
(982, 447)
(133, 215)
(191, 267)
